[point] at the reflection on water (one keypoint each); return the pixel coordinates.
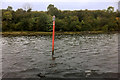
(91, 55)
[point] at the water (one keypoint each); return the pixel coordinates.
(93, 55)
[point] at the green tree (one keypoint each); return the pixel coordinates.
(42, 22)
(7, 21)
(52, 10)
(7, 15)
(60, 25)
(9, 8)
(110, 9)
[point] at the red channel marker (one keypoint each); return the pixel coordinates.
(53, 36)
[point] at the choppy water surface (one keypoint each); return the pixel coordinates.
(91, 55)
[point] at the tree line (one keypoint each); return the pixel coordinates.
(77, 20)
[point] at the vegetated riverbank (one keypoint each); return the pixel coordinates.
(30, 33)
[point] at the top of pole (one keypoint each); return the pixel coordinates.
(53, 18)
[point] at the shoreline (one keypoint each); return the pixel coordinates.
(30, 33)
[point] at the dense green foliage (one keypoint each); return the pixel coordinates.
(78, 20)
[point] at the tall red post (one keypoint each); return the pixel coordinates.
(53, 37)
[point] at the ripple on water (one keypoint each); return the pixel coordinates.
(77, 56)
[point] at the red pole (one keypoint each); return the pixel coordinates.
(53, 36)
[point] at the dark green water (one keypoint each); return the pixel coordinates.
(93, 55)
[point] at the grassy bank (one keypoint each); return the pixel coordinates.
(28, 33)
